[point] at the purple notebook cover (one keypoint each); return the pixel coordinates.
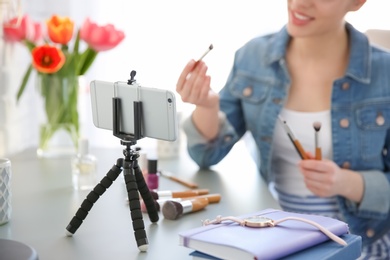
(262, 243)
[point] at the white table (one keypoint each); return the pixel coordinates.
(44, 202)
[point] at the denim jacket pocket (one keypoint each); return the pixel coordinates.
(373, 120)
(250, 88)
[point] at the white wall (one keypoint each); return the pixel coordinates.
(161, 36)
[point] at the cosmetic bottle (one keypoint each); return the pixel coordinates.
(142, 161)
(152, 177)
(84, 170)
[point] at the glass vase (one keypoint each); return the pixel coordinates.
(59, 133)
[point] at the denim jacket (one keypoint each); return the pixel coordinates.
(255, 92)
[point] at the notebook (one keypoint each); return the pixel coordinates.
(230, 240)
(328, 250)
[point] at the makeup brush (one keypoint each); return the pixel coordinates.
(173, 210)
(294, 141)
(178, 194)
(170, 176)
(317, 128)
(208, 50)
(204, 54)
(212, 198)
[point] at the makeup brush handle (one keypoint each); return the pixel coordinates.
(212, 198)
(185, 183)
(199, 203)
(300, 149)
(188, 193)
(318, 154)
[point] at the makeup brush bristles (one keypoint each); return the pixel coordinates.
(317, 128)
(172, 210)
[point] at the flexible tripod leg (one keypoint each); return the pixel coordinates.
(135, 206)
(145, 193)
(93, 196)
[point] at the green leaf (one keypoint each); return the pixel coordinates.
(76, 54)
(77, 43)
(86, 60)
(24, 82)
(30, 45)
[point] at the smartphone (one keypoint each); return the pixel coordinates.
(159, 118)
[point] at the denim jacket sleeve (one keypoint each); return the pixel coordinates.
(371, 218)
(207, 153)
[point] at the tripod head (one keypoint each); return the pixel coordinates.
(129, 154)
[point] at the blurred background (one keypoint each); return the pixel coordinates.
(161, 37)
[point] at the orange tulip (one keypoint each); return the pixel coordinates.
(100, 38)
(47, 59)
(60, 29)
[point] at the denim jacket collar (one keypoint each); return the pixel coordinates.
(359, 67)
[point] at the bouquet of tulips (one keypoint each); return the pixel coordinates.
(58, 65)
(54, 55)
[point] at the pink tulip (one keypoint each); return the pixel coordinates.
(100, 38)
(38, 33)
(20, 29)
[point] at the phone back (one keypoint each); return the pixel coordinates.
(102, 93)
(158, 109)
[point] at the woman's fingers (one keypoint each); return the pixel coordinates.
(193, 83)
(184, 74)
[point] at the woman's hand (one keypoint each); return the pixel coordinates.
(194, 86)
(325, 179)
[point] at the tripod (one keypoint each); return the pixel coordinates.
(133, 178)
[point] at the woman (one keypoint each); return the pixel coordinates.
(318, 68)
